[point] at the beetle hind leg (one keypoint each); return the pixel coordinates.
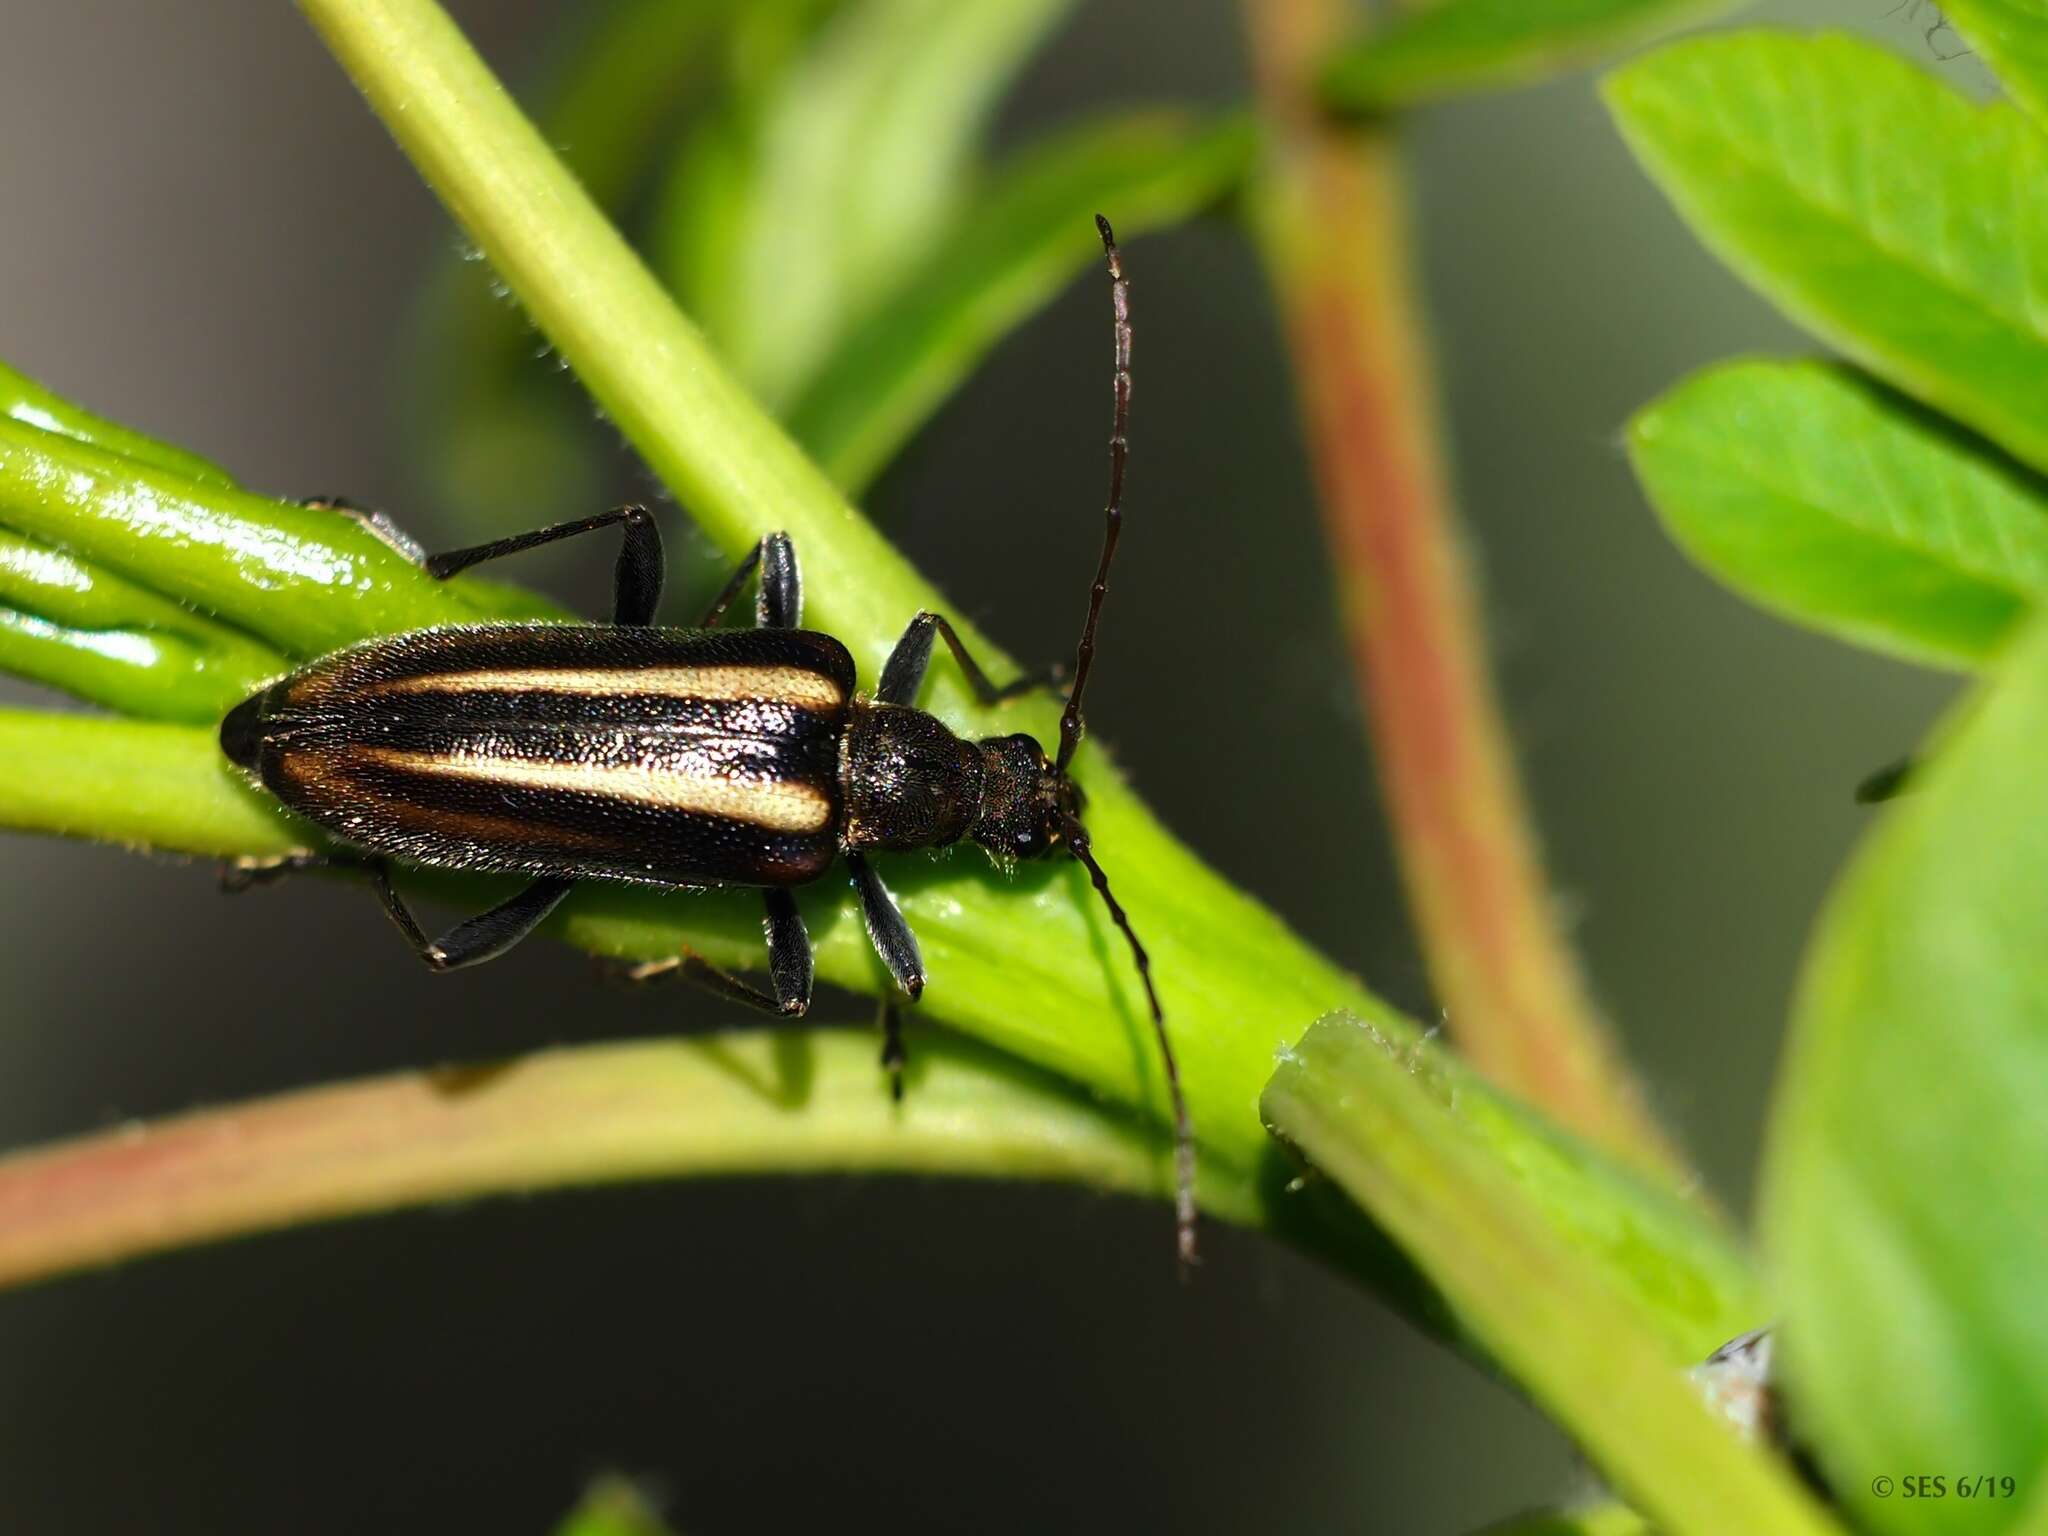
(790, 967)
(477, 939)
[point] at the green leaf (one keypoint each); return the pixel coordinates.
(1900, 1197)
(22, 399)
(2012, 35)
(70, 625)
(825, 187)
(143, 784)
(1835, 503)
(1877, 206)
(245, 559)
(1542, 1271)
(1021, 240)
(613, 1507)
(1457, 47)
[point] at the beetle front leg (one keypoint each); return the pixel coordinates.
(903, 673)
(790, 966)
(887, 930)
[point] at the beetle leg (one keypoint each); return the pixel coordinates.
(379, 525)
(887, 930)
(475, 940)
(636, 586)
(903, 673)
(894, 1057)
(779, 601)
(238, 875)
(716, 612)
(789, 965)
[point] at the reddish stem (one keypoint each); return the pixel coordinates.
(1333, 211)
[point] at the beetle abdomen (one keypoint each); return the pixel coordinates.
(666, 757)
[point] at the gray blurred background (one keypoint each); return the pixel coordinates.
(205, 234)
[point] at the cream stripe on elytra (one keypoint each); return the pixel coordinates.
(793, 686)
(778, 805)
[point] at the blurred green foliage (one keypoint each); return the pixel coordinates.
(1898, 505)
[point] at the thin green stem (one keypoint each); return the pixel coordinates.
(738, 474)
(1334, 224)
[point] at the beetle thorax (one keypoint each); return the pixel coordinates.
(908, 781)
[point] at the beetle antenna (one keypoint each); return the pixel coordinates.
(1183, 1128)
(1071, 723)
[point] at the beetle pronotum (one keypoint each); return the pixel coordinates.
(680, 758)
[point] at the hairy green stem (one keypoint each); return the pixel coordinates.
(1333, 222)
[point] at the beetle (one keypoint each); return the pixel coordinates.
(680, 759)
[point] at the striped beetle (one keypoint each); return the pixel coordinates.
(678, 758)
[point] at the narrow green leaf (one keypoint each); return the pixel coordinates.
(22, 399)
(258, 564)
(1837, 504)
(1565, 1318)
(613, 1507)
(145, 784)
(1901, 1193)
(1458, 47)
(2012, 35)
(835, 179)
(1882, 209)
(1020, 241)
(70, 625)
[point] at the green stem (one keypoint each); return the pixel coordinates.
(1539, 1299)
(1334, 225)
(22, 399)
(807, 1102)
(738, 474)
